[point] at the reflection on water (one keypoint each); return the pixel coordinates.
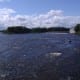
(45, 56)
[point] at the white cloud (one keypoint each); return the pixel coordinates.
(49, 19)
(6, 11)
(5, 16)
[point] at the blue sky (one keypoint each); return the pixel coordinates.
(70, 7)
(39, 12)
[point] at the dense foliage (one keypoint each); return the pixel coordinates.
(22, 29)
(17, 29)
(77, 28)
(62, 29)
(36, 30)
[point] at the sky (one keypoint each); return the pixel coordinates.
(39, 13)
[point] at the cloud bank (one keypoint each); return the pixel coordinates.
(53, 18)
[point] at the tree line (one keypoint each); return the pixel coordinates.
(23, 29)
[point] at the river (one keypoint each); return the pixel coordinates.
(40, 56)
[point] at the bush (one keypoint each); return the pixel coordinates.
(39, 30)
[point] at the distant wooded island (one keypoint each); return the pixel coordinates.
(23, 29)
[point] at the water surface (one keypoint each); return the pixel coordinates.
(31, 56)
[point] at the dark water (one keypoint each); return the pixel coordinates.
(29, 57)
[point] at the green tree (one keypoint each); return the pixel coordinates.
(77, 28)
(18, 29)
